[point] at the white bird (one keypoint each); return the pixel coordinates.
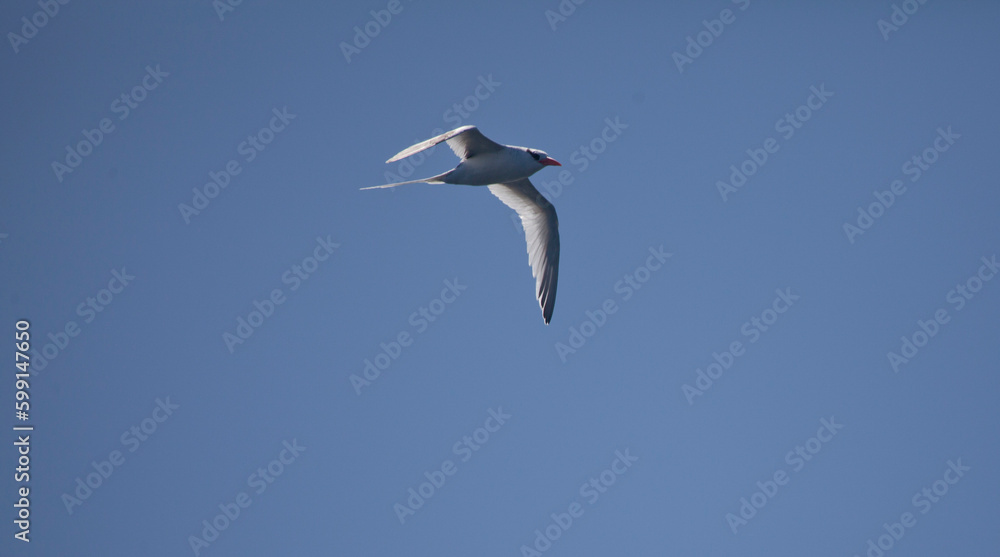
(505, 169)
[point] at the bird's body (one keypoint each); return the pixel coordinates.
(493, 168)
(505, 169)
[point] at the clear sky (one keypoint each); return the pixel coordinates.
(776, 324)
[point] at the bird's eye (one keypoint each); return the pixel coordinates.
(534, 155)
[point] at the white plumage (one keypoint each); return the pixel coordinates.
(505, 169)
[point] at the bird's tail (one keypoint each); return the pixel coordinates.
(439, 179)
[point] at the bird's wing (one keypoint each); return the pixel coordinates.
(541, 230)
(466, 142)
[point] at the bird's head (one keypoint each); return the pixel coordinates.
(542, 158)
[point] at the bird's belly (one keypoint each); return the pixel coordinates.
(483, 173)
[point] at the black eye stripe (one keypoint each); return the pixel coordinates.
(534, 155)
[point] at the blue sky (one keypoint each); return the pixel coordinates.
(775, 330)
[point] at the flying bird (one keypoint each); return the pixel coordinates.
(505, 169)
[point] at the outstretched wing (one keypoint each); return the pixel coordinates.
(466, 142)
(541, 230)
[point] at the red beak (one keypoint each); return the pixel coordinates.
(550, 162)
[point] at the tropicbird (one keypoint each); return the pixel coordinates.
(505, 169)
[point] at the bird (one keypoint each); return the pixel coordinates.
(504, 169)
